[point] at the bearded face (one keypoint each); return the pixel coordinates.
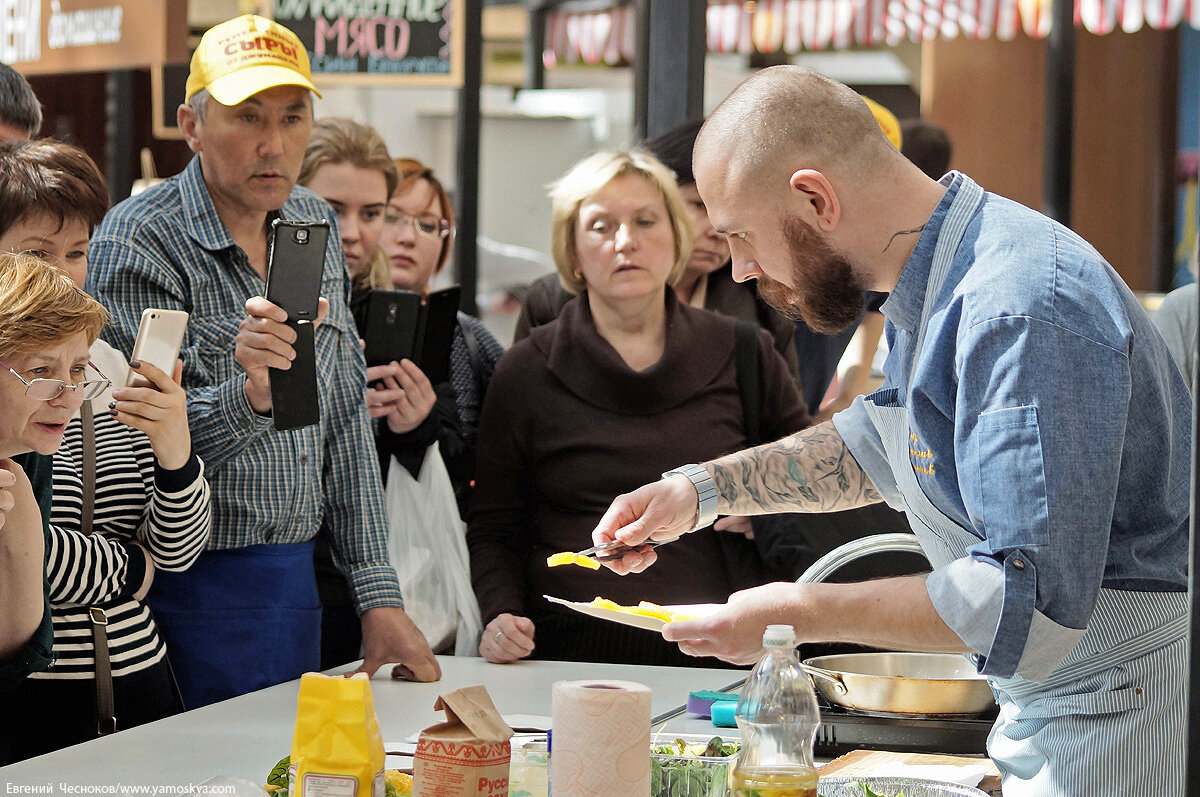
(827, 293)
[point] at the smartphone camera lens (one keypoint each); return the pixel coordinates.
(300, 236)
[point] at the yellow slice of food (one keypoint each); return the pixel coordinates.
(572, 558)
(400, 780)
(644, 609)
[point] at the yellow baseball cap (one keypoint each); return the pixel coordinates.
(887, 121)
(239, 58)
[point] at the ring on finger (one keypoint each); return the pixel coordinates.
(499, 636)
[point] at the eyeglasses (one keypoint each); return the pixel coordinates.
(430, 226)
(50, 389)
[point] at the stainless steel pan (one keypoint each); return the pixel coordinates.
(911, 684)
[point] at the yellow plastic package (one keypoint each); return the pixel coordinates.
(337, 750)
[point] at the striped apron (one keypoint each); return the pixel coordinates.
(1110, 718)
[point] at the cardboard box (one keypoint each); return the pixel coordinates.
(468, 754)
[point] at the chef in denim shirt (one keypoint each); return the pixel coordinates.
(1032, 426)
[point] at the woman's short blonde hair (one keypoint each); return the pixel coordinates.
(40, 307)
(584, 180)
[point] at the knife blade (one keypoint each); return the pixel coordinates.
(612, 551)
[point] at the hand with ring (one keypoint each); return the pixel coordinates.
(507, 638)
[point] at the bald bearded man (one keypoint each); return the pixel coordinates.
(1031, 426)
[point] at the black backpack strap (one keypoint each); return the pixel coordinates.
(746, 354)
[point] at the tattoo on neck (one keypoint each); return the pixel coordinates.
(903, 232)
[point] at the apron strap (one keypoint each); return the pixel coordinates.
(106, 719)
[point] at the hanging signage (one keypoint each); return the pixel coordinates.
(398, 42)
(47, 37)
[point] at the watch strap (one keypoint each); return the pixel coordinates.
(706, 490)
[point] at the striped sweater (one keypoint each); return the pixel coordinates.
(136, 502)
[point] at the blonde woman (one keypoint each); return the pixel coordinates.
(608, 395)
(347, 164)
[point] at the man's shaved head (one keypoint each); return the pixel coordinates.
(788, 117)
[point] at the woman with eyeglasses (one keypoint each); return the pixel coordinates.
(130, 496)
(46, 324)
(417, 235)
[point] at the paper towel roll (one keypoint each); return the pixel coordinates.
(601, 742)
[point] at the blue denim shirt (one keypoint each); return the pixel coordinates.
(1047, 418)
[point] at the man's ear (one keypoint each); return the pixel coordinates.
(185, 117)
(816, 199)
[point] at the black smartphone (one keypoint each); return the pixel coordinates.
(441, 317)
(294, 400)
(390, 333)
(400, 324)
(295, 266)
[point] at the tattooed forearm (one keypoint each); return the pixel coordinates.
(810, 471)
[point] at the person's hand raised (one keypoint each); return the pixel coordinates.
(159, 412)
(264, 341)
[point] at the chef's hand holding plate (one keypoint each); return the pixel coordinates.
(661, 510)
(734, 632)
(506, 638)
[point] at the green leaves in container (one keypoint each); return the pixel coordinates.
(681, 770)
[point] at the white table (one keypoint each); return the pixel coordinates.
(247, 735)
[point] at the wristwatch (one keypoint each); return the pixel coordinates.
(706, 489)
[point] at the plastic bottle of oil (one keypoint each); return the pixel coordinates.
(777, 714)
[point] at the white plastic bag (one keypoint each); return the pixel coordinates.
(428, 547)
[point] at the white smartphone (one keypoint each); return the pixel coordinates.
(159, 338)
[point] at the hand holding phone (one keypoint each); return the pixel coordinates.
(159, 339)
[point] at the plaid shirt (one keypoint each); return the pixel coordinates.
(168, 248)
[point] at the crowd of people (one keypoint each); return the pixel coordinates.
(163, 546)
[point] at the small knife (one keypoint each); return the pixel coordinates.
(612, 551)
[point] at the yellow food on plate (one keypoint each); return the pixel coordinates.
(645, 609)
(398, 780)
(572, 558)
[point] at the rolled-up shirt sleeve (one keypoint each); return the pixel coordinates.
(1038, 466)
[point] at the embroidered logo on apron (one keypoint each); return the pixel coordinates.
(922, 457)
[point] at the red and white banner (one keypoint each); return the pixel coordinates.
(768, 26)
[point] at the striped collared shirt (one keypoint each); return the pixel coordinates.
(168, 248)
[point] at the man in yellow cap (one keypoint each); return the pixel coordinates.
(247, 614)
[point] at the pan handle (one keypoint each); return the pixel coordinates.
(834, 678)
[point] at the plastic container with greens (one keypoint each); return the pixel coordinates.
(693, 766)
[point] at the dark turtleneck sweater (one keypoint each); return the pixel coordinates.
(567, 426)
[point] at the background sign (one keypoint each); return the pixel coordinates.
(398, 42)
(49, 37)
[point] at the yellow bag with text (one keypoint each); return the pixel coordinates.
(336, 747)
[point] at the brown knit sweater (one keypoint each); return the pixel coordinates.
(566, 427)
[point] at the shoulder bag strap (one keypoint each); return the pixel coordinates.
(480, 367)
(106, 720)
(746, 354)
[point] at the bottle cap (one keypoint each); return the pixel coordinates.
(779, 636)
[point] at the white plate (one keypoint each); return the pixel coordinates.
(636, 620)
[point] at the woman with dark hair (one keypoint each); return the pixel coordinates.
(130, 496)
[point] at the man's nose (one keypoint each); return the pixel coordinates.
(745, 268)
(271, 143)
